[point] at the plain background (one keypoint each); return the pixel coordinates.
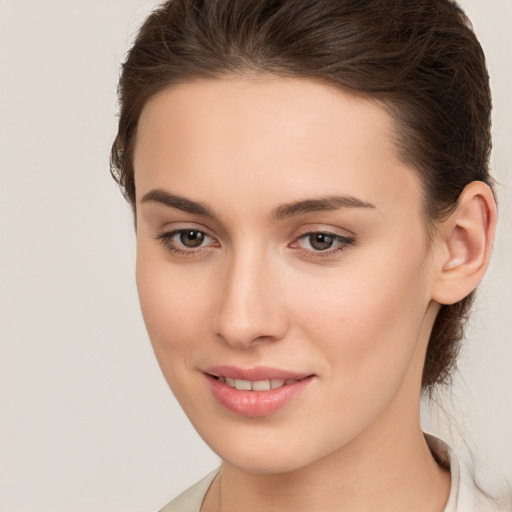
(86, 420)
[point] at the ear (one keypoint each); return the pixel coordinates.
(463, 247)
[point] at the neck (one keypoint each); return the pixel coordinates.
(395, 471)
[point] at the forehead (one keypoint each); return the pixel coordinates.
(270, 140)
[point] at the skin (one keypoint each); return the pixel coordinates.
(257, 293)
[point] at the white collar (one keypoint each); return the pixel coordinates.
(463, 492)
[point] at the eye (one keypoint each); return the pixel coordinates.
(322, 243)
(186, 242)
(191, 238)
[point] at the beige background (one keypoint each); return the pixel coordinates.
(86, 420)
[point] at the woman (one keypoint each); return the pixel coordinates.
(314, 212)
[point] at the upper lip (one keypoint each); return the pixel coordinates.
(254, 374)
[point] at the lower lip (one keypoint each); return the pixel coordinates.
(256, 403)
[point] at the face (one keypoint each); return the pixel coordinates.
(283, 267)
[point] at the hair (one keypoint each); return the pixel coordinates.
(419, 59)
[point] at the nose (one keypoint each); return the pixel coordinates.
(250, 308)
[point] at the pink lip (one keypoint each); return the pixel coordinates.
(255, 403)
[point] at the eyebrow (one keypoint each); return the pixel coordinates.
(165, 198)
(321, 204)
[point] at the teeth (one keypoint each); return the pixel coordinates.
(257, 385)
(276, 383)
(243, 385)
(261, 385)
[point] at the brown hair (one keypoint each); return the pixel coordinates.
(418, 58)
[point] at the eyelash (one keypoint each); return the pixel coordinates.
(344, 243)
(167, 241)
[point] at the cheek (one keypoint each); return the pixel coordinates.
(368, 317)
(173, 306)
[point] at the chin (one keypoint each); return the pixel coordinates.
(266, 450)
(264, 462)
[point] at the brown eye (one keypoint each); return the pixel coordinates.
(192, 238)
(321, 241)
(187, 242)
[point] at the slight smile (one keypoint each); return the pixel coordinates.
(257, 391)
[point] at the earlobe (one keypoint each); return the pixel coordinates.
(463, 252)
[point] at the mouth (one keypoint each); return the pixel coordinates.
(255, 392)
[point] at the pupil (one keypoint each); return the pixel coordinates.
(321, 242)
(191, 238)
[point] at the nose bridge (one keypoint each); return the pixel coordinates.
(247, 309)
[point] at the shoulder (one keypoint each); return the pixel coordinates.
(191, 499)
